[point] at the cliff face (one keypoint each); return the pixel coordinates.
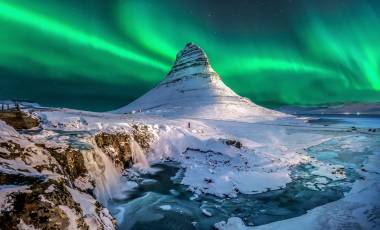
(18, 119)
(118, 145)
(47, 185)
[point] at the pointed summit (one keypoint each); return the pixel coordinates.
(190, 60)
(193, 89)
(191, 55)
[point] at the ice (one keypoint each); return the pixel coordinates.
(358, 208)
(72, 216)
(206, 212)
(285, 173)
(166, 207)
(6, 201)
(103, 172)
(138, 155)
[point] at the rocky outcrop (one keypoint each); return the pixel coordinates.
(44, 181)
(44, 208)
(118, 145)
(48, 185)
(71, 161)
(234, 143)
(29, 154)
(19, 119)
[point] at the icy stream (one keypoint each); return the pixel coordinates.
(158, 199)
(145, 201)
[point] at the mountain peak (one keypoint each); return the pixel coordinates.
(191, 52)
(193, 89)
(190, 60)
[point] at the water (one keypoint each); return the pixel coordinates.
(103, 172)
(107, 177)
(161, 202)
(143, 209)
(138, 155)
(362, 121)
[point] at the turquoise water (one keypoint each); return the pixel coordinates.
(161, 202)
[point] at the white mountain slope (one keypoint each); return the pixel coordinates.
(193, 89)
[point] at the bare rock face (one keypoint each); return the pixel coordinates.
(71, 161)
(117, 145)
(19, 120)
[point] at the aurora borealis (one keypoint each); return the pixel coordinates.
(100, 55)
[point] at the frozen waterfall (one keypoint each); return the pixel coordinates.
(103, 172)
(138, 156)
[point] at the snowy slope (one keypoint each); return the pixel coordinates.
(193, 89)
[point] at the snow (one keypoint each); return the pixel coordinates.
(7, 131)
(43, 199)
(22, 225)
(6, 202)
(88, 206)
(166, 207)
(83, 183)
(233, 223)
(206, 212)
(71, 215)
(191, 115)
(333, 172)
(264, 162)
(193, 89)
(268, 146)
(357, 210)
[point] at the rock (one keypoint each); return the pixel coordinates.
(43, 212)
(48, 177)
(71, 160)
(19, 120)
(235, 143)
(206, 213)
(208, 180)
(117, 145)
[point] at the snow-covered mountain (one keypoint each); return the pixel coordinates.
(193, 89)
(88, 170)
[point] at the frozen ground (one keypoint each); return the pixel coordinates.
(242, 172)
(284, 172)
(359, 153)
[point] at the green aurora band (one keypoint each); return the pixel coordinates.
(323, 56)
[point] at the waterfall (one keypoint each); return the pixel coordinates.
(138, 156)
(103, 172)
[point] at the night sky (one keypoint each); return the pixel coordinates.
(100, 55)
